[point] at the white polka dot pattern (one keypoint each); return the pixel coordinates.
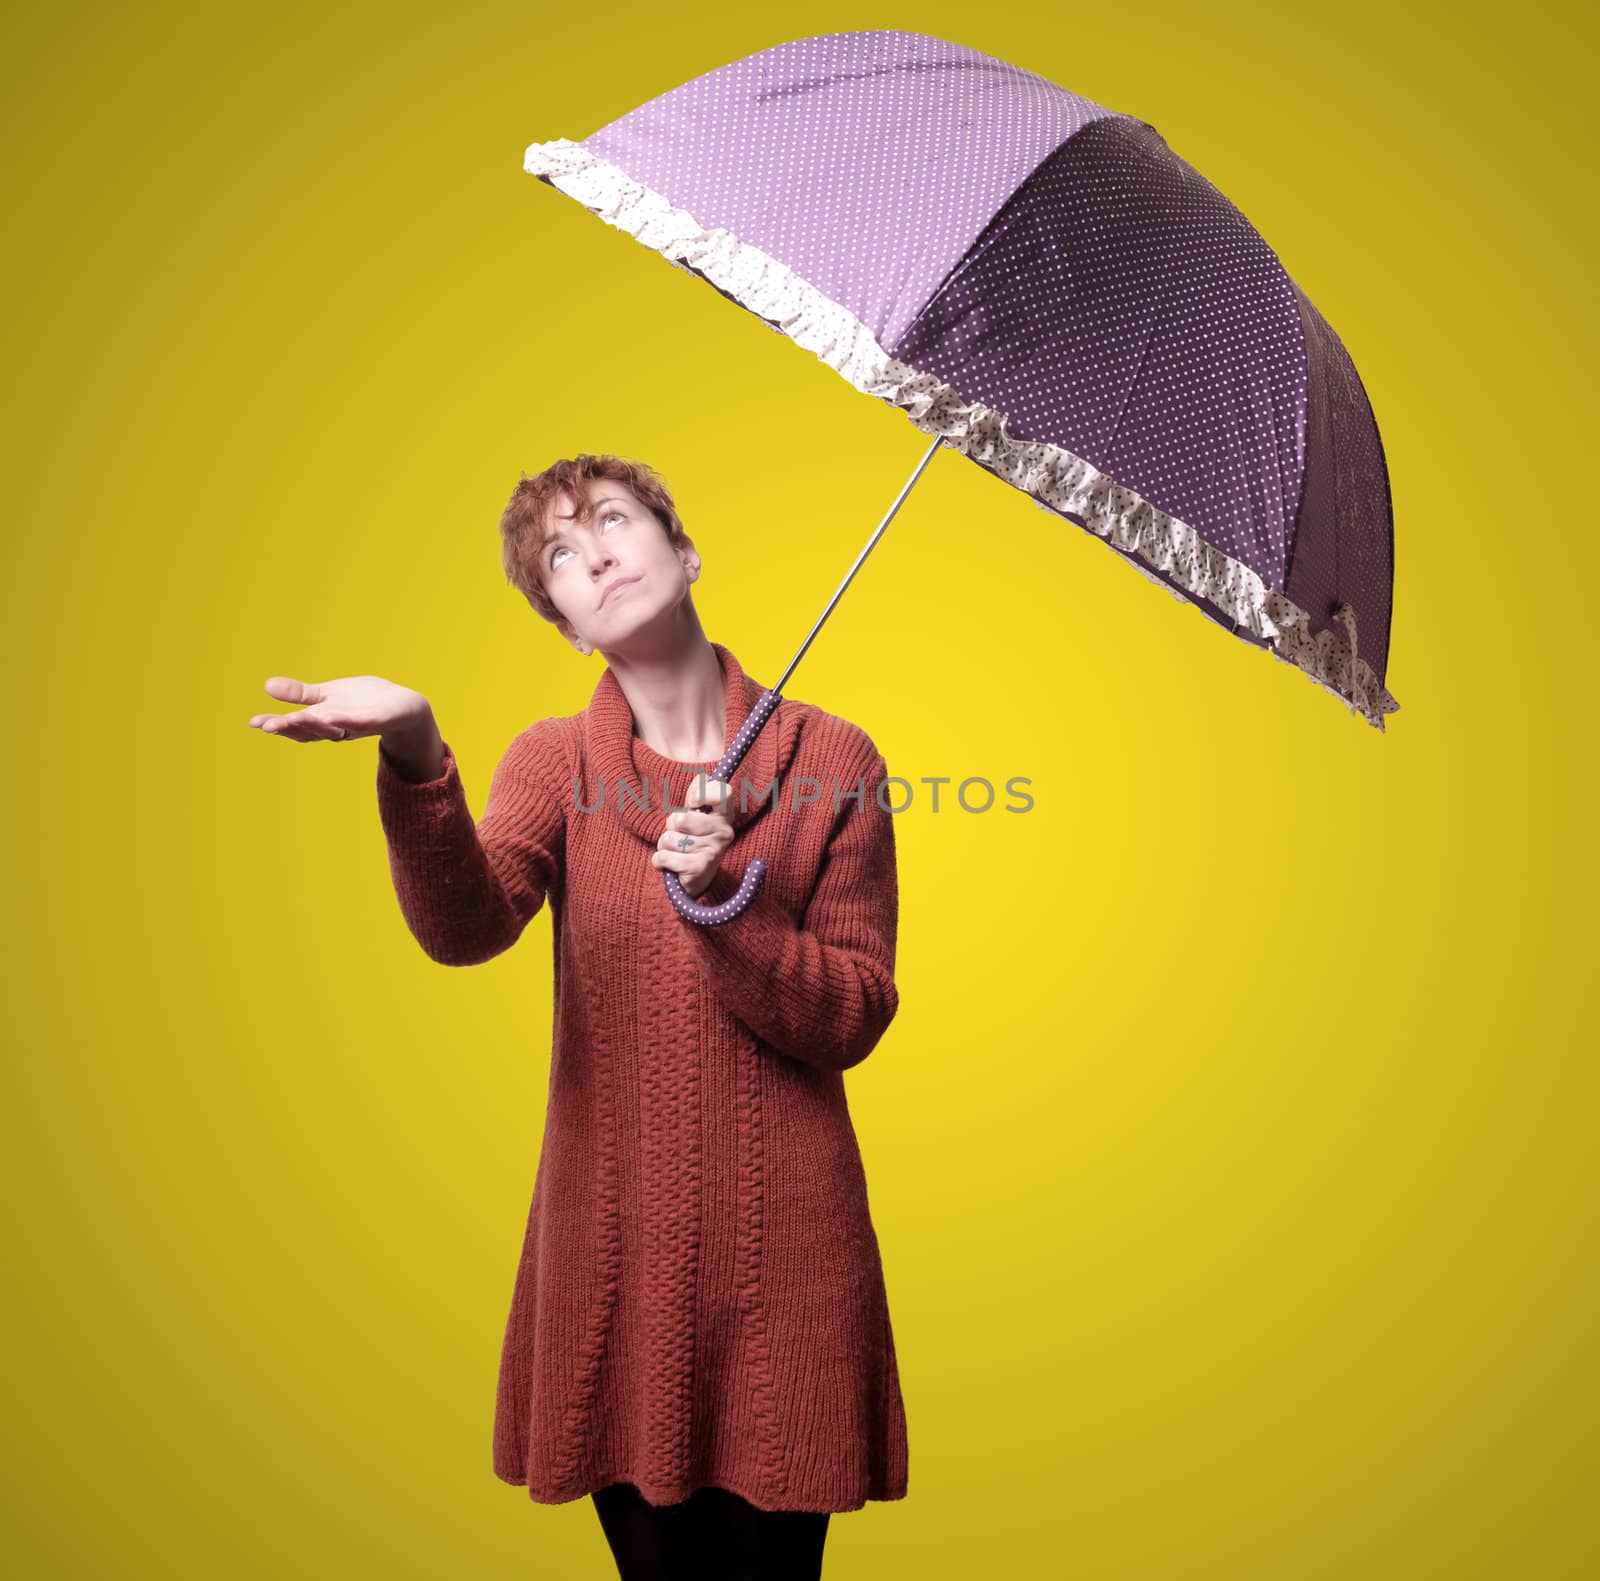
(868, 162)
(1120, 307)
(1344, 534)
(1115, 340)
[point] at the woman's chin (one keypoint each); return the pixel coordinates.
(626, 626)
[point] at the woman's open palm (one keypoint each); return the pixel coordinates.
(356, 705)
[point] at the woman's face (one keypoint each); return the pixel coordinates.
(616, 574)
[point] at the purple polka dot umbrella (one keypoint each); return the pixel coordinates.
(1042, 284)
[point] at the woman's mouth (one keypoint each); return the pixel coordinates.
(616, 587)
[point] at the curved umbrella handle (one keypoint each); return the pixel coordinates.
(692, 910)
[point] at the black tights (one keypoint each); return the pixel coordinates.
(713, 1535)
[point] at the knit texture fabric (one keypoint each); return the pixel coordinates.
(700, 1297)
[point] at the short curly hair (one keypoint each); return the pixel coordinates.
(525, 523)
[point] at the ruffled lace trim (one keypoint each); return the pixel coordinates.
(1057, 479)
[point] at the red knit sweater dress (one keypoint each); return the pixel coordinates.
(700, 1298)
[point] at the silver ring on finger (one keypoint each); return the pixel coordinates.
(685, 842)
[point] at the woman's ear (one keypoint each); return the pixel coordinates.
(690, 556)
(577, 642)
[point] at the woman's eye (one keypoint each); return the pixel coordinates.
(605, 521)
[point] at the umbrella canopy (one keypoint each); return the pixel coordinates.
(1045, 285)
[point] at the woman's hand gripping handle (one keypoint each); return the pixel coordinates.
(755, 873)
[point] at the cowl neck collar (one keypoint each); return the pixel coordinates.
(643, 786)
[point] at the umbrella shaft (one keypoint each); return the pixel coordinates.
(783, 680)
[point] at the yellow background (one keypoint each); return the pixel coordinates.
(1229, 1155)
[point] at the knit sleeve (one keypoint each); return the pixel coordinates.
(468, 890)
(822, 991)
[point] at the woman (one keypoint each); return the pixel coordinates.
(699, 1337)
